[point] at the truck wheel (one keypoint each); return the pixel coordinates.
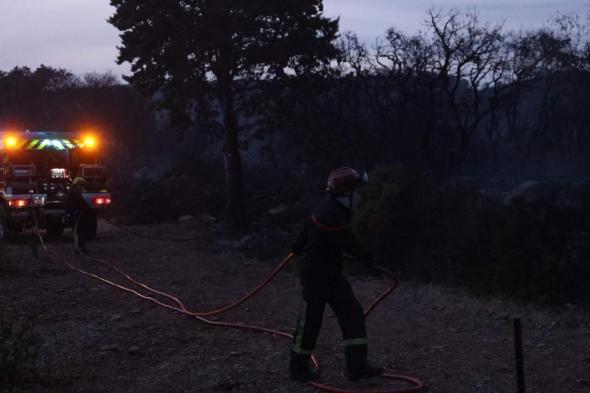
(54, 230)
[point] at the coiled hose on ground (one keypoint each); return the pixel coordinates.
(178, 305)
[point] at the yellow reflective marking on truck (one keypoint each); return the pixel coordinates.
(44, 144)
(57, 144)
(41, 144)
(33, 143)
(68, 144)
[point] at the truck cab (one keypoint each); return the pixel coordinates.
(37, 173)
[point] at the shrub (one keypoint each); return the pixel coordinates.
(452, 234)
(19, 350)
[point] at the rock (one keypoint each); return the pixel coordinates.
(133, 350)
(186, 218)
(533, 191)
(109, 348)
(116, 317)
(136, 311)
(582, 382)
(575, 195)
(277, 210)
(207, 218)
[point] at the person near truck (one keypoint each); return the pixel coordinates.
(83, 216)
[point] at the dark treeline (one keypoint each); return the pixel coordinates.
(50, 99)
(462, 98)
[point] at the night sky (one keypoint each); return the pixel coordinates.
(74, 34)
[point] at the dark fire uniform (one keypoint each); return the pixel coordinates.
(327, 235)
(83, 215)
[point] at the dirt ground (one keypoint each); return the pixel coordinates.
(100, 339)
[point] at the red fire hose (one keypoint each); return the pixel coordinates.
(180, 307)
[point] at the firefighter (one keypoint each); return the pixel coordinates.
(82, 214)
(326, 236)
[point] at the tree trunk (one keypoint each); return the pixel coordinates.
(232, 159)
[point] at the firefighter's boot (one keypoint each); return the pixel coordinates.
(300, 370)
(356, 364)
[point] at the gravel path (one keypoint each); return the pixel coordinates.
(100, 339)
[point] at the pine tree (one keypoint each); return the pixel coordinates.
(192, 53)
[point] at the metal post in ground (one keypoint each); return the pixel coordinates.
(519, 355)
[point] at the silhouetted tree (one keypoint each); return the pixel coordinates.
(188, 52)
(411, 90)
(97, 79)
(55, 99)
(466, 53)
(26, 96)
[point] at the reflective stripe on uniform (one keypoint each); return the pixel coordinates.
(301, 351)
(299, 333)
(355, 341)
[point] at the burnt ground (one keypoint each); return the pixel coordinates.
(99, 339)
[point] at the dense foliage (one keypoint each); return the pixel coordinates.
(517, 245)
(461, 98)
(19, 349)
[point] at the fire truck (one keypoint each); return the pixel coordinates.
(38, 168)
